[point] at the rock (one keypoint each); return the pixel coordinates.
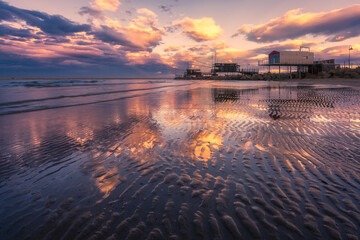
(354, 75)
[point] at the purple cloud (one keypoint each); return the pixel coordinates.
(336, 25)
(50, 24)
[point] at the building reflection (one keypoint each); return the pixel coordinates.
(228, 94)
(297, 102)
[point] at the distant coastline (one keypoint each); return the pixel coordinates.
(338, 76)
(76, 78)
(343, 73)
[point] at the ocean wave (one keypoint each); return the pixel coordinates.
(26, 104)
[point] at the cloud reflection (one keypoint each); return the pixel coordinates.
(141, 129)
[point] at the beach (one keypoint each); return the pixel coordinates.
(333, 81)
(186, 159)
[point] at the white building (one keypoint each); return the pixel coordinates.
(291, 57)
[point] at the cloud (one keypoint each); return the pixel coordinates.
(137, 58)
(69, 60)
(51, 24)
(166, 8)
(285, 46)
(340, 53)
(172, 48)
(91, 12)
(110, 5)
(336, 25)
(36, 43)
(202, 29)
(219, 45)
(6, 30)
(110, 35)
(140, 35)
(147, 12)
(85, 65)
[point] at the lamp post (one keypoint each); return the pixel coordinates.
(350, 48)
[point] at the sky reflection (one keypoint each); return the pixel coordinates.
(112, 149)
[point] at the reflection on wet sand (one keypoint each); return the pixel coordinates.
(203, 144)
(212, 161)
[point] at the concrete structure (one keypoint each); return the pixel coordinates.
(192, 73)
(226, 67)
(232, 68)
(291, 58)
(302, 60)
(323, 66)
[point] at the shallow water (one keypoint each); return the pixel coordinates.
(138, 159)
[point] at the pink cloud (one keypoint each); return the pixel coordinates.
(142, 34)
(336, 25)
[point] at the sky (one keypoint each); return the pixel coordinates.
(160, 38)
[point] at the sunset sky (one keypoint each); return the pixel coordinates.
(142, 38)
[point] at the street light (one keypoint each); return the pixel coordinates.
(350, 48)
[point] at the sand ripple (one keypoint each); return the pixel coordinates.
(266, 162)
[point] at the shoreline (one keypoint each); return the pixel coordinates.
(353, 82)
(75, 78)
(338, 81)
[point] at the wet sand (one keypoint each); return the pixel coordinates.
(196, 160)
(333, 81)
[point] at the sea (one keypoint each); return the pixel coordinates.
(179, 159)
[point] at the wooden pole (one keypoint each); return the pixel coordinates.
(279, 72)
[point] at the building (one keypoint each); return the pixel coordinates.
(226, 67)
(302, 60)
(328, 61)
(291, 58)
(323, 66)
(193, 73)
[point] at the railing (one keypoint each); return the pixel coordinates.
(263, 62)
(249, 70)
(347, 66)
(294, 63)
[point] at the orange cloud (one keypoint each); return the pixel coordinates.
(172, 48)
(142, 34)
(110, 5)
(202, 29)
(337, 25)
(144, 57)
(219, 44)
(339, 52)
